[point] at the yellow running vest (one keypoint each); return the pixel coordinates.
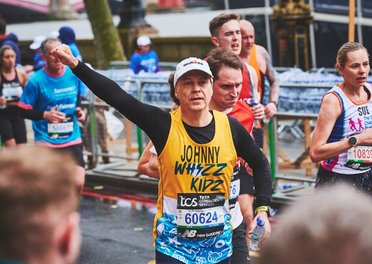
(194, 189)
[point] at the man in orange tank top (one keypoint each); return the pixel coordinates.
(259, 59)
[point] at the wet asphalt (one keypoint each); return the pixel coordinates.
(116, 231)
(117, 224)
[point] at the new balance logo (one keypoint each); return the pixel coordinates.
(189, 233)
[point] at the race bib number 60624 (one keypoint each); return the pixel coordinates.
(200, 215)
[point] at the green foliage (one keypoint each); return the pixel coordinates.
(106, 40)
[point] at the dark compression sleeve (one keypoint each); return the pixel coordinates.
(154, 121)
(252, 154)
(31, 114)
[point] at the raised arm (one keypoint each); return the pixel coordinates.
(154, 121)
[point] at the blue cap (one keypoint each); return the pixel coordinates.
(66, 35)
(13, 37)
(260, 221)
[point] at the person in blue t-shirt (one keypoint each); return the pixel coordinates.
(144, 59)
(51, 99)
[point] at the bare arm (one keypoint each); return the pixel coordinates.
(319, 148)
(2, 98)
(80, 114)
(270, 73)
(148, 163)
(273, 80)
(22, 76)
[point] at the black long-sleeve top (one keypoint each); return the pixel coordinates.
(156, 122)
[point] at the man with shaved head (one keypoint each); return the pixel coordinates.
(257, 56)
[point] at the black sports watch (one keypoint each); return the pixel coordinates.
(352, 141)
(275, 103)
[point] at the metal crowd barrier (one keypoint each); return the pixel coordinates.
(163, 65)
(150, 90)
(297, 101)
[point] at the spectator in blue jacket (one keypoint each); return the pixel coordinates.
(10, 39)
(144, 58)
(67, 36)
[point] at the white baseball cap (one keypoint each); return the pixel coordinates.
(191, 64)
(143, 41)
(37, 42)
